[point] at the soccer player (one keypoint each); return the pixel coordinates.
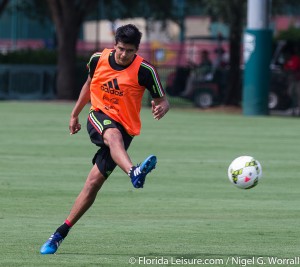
(115, 85)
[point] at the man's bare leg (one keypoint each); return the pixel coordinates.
(87, 195)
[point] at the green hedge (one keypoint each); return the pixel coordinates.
(292, 34)
(36, 57)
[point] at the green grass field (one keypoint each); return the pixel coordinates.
(187, 210)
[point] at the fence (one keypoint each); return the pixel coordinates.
(27, 82)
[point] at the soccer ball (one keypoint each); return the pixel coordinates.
(244, 172)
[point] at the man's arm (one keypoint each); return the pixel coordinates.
(160, 106)
(83, 99)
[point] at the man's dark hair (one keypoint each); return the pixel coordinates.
(128, 34)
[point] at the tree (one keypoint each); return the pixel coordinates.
(68, 16)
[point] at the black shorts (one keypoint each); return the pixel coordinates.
(97, 123)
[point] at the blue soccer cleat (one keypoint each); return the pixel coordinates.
(139, 172)
(52, 244)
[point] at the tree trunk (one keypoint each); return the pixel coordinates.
(66, 64)
(234, 88)
(68, 16)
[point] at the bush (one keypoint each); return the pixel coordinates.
(38, 57)
(34, 57)
(292, 34)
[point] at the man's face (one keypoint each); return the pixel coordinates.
(124, 53)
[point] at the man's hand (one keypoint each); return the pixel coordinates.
(74, 125)
(160, 107)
